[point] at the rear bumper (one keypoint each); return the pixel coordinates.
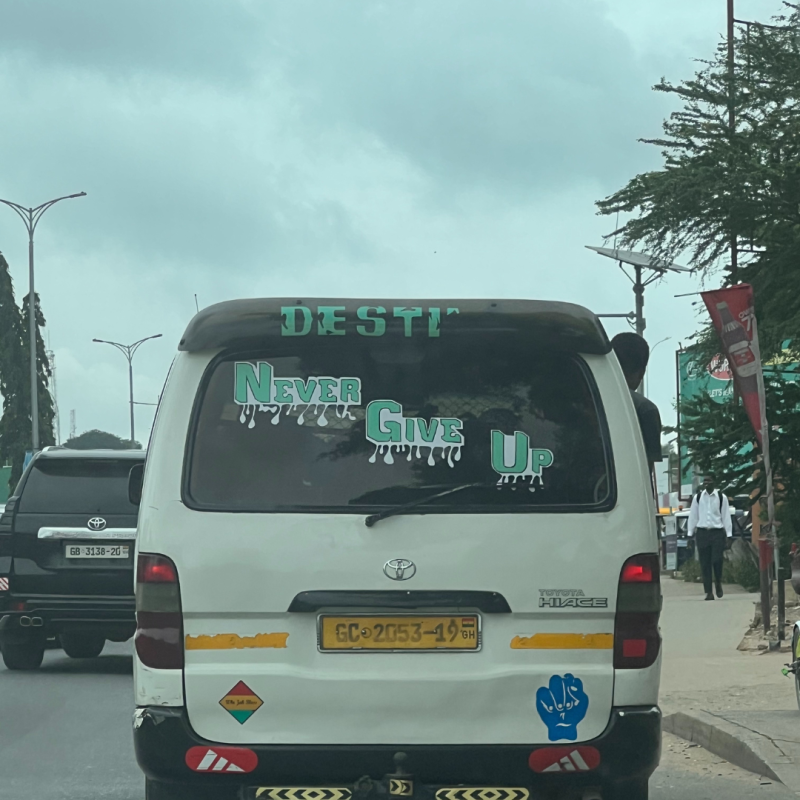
(629, 749)
(61, 612)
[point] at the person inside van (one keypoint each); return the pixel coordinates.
(633, 354)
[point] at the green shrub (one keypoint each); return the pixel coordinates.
(691, 571)
(742, 571)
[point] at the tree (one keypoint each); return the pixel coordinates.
(15, 420)
(721, 440)
(15, 423)
(717, 183)
(47, 411)
(95, 439)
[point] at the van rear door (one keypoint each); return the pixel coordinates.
(480, 609)
(74, 528)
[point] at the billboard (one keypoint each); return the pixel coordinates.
(715, 379)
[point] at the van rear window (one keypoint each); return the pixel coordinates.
(78, 486)
(358, 426)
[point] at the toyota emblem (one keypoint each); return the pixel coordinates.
(399, 569)
(96, 524)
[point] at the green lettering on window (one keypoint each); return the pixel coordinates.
(251, 388)
(305, 389)
(434, 322)
(328, 320)
(378, 323)
(407, 315)
(282, 385)
(350, 390)
(325, 394)
(427, 430)
(289, 326)
(379, 430)
(521, 448)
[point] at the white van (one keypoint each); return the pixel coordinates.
(398, 548)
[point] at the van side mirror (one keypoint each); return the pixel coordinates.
(135, 482)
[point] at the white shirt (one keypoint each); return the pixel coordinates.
(708, 513)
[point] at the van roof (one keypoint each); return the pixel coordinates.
(245, 323)
(67, 452)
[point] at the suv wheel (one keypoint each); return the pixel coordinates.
(83, 645)
(24, 654)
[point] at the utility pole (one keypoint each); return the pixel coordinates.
(73, 428)
(129, 350)
(764, 541)
(31, 217)
(732, 122)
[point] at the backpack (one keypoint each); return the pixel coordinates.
(699, 494)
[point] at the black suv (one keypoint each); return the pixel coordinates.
(67, 538)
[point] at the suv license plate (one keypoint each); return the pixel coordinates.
(96, 550)
(399, 632)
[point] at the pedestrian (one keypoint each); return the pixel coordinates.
(633, 353)
(710, 518)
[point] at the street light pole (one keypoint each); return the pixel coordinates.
(638, 290)
(647, 371)
(639, 262)
(129, 350)
(31, 217)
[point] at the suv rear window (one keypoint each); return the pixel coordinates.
(78, 486)
(407, 420)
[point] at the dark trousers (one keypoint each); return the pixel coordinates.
(710, 547)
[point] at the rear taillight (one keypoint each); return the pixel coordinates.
(635, 572)
(636, 637)
(159, 622)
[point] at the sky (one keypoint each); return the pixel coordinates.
(385, 148)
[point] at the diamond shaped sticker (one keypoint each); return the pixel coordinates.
(241, 702)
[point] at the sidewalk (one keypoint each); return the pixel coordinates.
(735, 704)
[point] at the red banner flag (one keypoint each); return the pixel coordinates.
(734, 318)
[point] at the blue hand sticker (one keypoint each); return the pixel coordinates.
(562, 706)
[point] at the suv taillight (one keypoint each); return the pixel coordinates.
(159, 622)
(7, 515)
(636, 637)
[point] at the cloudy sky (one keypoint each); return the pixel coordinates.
(449, 148)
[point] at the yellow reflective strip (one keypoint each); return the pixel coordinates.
(564, 641)
(232, 641)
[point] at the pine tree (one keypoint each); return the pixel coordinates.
(47, 410)
(15, 422)
(717, 182)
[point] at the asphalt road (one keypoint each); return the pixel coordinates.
(65, 734)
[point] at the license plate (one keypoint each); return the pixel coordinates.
(400, 632)
(96, 550)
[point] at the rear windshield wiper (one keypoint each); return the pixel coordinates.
(401, 509)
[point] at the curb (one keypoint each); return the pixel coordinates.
(739, 746)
